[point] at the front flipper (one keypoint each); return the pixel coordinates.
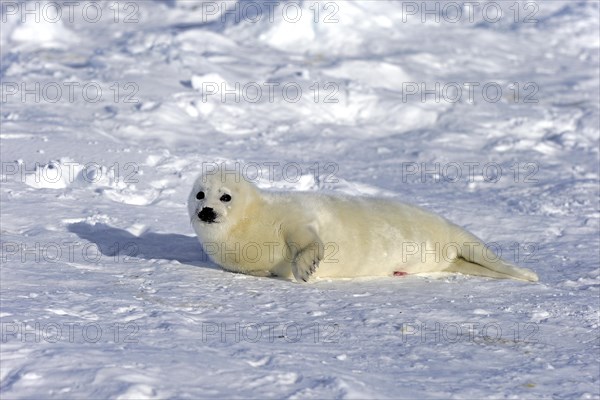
(307, 251)
(306, 262)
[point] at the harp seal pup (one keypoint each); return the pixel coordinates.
(314, 235)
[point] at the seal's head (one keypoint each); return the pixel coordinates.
(220, 197)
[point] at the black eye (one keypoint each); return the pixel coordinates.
(225, 198)
(200, 195)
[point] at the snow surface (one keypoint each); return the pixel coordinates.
(106, 292)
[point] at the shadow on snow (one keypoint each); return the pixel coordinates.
(114, 242)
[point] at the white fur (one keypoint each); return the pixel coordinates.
(322, 235)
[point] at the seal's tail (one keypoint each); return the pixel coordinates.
(476, 259)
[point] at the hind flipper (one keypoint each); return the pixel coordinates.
(476, 253)
(466, 267)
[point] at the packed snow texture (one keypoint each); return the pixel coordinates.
(487, 114)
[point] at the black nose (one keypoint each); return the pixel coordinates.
(207, 214)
